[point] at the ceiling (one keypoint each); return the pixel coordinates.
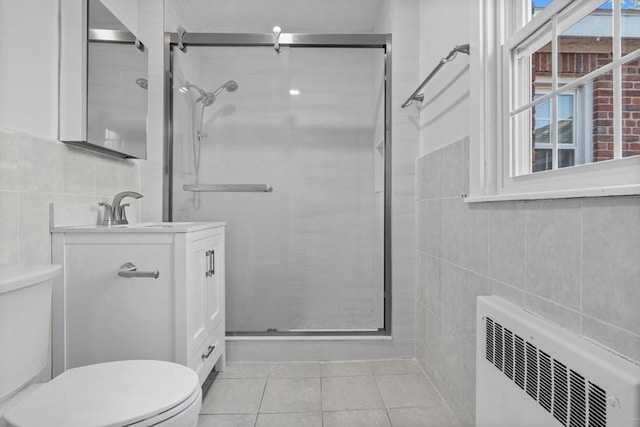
(260, 16)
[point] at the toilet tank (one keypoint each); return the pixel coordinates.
(25, 318)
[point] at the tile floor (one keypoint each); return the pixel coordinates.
(385, 393)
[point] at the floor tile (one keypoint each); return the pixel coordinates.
(295, 370)
(407, 391)
(434, 416)
(291, 395)
(227, 420)
(347, 393)
(362, 418)
(233, 396)
(290, 420)
(395, 367)
(344, 369)
(245, 370)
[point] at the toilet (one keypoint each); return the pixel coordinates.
(136, 393)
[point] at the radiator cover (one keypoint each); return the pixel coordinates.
(532, 373)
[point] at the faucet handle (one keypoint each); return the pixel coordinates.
(108, 213)
(123, 214)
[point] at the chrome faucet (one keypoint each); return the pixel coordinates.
(119, 214)
(115, 212)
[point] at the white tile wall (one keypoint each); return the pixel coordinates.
(573, 262)
(35, 172)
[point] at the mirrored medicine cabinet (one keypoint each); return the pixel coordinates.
(103, 81)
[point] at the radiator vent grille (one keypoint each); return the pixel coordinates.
(499, 353)
(572, 399)
(519, 361)
(578, 398)
(560, 392)
(545, 394)
(532, 371)
(489, 341)
(508, 354)
(597, 406)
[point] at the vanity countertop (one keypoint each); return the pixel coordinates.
(143, 227)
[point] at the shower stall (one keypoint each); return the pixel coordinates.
(286, 137)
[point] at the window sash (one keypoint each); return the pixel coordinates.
(491, 152)
(559, 16)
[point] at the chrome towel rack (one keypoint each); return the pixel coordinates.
(415, 96)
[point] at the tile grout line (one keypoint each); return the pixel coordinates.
(375, 380)
(442, 399)
(580, 276)
(611, 325)
(321, 396)
(264, 390)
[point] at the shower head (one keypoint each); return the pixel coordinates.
(208, 98)
(230, 86)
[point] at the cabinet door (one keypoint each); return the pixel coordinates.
(215, 285)
(116, 318)
(197, 293)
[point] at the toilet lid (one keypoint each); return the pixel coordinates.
(106, 395)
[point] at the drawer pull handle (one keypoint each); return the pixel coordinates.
(208, 353)
(130, 270)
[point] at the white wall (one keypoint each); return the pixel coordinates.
(28, 69)
(444, 114)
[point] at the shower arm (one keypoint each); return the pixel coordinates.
(416, 96)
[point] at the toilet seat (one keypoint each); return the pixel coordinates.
(115, 394)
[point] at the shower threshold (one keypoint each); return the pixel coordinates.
(310, 336)
(321, 331)
(309, 333)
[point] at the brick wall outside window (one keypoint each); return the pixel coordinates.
(574, 65)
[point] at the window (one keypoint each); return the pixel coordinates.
(567, 75)
(567, 141)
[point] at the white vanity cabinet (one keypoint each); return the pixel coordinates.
(99, 316)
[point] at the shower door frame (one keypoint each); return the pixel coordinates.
(373, 41)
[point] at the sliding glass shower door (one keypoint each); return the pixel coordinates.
(306, 127)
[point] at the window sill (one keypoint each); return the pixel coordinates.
(623, 190)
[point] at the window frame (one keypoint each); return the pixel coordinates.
(577, 117)
(492, 155)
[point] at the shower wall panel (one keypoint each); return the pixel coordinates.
(309, 122)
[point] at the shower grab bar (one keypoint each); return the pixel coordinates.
(229, 188)
(415, 96)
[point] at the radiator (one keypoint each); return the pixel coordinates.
(532, 373)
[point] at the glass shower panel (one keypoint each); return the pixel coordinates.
(309, 122)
